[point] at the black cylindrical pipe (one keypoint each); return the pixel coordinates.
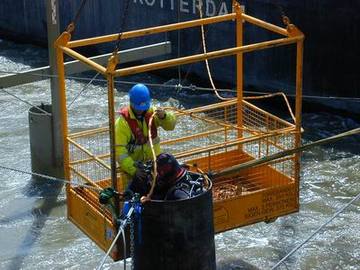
(176, 235)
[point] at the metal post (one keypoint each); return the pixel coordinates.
(239, 66)
(53, 31)
(298, 109)
(113, 60)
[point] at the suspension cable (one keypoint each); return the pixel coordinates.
(120, 231)
(71, 26)
(26, 102)
(124, 245)
(51, 178)
(77, 15)
(83, 89)
(122, 24)
(109, 250)
(315, 232)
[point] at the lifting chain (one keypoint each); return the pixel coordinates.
(132, 242)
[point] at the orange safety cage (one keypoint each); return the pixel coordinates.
(212, 138)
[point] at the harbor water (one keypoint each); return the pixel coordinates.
(35, 232)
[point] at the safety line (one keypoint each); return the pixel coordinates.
(200, 6)
(191, 87)
(314, 233)
(199, 47)
(26, 102)
(154, 176)
(272, 95)
(50, 178)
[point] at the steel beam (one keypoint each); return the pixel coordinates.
(72, 67)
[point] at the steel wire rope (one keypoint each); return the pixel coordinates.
(315, 232)
(71, 26)
(116, 47)
(83, 89)
(122, 24)
(77, 15)
(51, 178)
(26, 102)
(190, 87)
(109, 250)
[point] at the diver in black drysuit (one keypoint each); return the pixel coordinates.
(173, 182)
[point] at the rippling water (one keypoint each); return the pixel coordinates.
(35, 233)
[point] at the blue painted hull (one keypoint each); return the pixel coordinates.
(331, 28)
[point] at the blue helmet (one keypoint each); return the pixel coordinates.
(140, 97)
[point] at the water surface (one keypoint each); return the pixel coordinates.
(35, 233)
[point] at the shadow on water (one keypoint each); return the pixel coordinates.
(49, 191)
(284, 241)
(234, 264)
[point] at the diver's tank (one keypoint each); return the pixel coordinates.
(176, 235)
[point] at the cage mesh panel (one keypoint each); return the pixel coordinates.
(203, 138)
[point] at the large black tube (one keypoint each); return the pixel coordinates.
(176, 235)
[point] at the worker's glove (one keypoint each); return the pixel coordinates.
(160, 113)
(141, 174)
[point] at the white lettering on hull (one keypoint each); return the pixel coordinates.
(53, 12)
(210, 8)
(150, 2)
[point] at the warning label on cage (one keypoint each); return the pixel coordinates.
(221, 215)
(272, 202)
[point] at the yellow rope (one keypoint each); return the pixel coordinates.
(276, 94)
(212, 81)
(154, 175)
(205, 51)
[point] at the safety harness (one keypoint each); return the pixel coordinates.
(137, 132)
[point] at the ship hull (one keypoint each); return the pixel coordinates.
(330, 27)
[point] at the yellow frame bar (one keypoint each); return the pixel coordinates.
(204, 56)
(265, 25)
(152, 30)
(83, 59)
